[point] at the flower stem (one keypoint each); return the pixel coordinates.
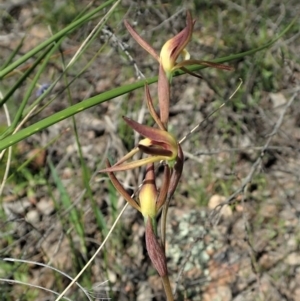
(167, 287)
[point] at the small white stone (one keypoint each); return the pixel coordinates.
(216, 200)
(32, 217)
(46, 207)
(293, 258)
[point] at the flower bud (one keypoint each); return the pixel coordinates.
(155, 251)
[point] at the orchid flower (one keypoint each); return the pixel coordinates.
(159, 144)
(168, 62)
(174, 48)
(150, 200)
(149, 203)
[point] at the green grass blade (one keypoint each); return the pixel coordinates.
(54, 38)
(38, 100)
(13, 54)
(34, 83)
(74, 215)
(23, 77)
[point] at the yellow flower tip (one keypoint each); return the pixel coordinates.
(175, 47)
(158, 143)
(145, 142)
(166, 59)
(147, 202)
(148, 194)
(185, 54)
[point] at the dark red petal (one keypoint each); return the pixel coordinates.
(155, 251)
